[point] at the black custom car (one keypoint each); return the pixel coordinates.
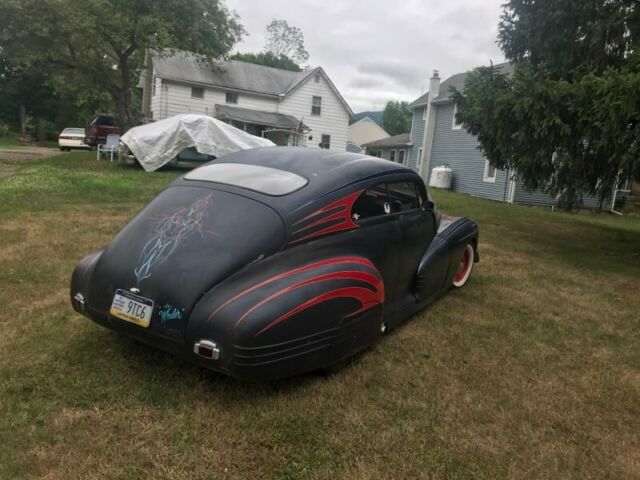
(277, 261)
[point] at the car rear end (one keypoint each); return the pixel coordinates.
(147, 282)
(72, 138)
(99, 127)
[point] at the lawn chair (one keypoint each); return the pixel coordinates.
(112, 145)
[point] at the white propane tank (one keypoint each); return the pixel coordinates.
(441, 177)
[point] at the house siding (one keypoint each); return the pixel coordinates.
(176, 99)
(365, 131)
(156, 99)
(459, 150)
(333, 119)
(538, 197)
(417, 137)
(386, 153)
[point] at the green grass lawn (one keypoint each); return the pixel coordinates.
(530, 371)
(14, 143)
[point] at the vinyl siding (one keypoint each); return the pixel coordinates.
(176, 99)
(173, 98)
(333, 119)
(459, 150)
(365, 131)
(538, 197)
(386, 153)
(417, 137)
(155, 99)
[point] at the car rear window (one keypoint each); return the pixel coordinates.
(270, 181)
(74, 130)
(103, 120)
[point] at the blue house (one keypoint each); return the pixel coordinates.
(437, 139)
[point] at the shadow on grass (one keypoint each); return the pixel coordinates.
(596, 248)
(156, 378)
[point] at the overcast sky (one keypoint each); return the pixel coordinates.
(380, 50)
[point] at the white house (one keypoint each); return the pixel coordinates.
(364, 131)
(290, 108)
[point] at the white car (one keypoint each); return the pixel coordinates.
(71, 138)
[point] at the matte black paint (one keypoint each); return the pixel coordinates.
(231, 260)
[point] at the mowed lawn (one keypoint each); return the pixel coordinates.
(530, 371)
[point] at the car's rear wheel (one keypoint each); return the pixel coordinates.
(464, 268)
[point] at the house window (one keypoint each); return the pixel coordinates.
(153, 87)
(392, 155)
(316, 104)
(401, 154)
(489, 172)
(419, 159)
(379, 154)
(424, 113)
(232, 97)
(325, 142)
(316, 78)
(455, 125)
(197, 92)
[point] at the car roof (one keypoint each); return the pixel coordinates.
(327, 171)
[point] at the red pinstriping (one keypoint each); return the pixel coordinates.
(342, 202)
(327, 219)
(295, 271)
(365, 296)
(374, 280)
(344, 205)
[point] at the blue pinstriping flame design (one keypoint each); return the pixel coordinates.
(170, 232)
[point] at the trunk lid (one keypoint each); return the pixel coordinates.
(182, 244)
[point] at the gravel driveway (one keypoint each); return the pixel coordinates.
(12, 157)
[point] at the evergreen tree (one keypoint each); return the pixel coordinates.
(568, 119)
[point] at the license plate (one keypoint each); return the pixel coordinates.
(132, 308)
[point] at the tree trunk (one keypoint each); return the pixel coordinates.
(126, 116)
(22, 116)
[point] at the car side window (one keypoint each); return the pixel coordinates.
(371, 203)
(403, 196)
(422, 194)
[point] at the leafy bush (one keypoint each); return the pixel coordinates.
(5, 131)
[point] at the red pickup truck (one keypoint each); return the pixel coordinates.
(98, 128)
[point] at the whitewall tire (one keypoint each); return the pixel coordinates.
(464, 268)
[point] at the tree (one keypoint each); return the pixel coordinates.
(102, 43)
(24, 90)
(396, 118)
(285, 40)
(568, 119)
(268, 59)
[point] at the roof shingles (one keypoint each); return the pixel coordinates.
(402, 140)
(237, 75)
(456, 81)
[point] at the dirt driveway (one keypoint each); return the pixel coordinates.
(12, 157)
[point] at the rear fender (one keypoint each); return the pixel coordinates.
(283, 316)
(439, 263)
(80, 281)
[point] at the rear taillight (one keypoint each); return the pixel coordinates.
(206, 349)
(65, 137)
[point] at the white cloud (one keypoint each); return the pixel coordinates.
(381, 50)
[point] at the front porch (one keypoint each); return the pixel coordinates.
(281, 129)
